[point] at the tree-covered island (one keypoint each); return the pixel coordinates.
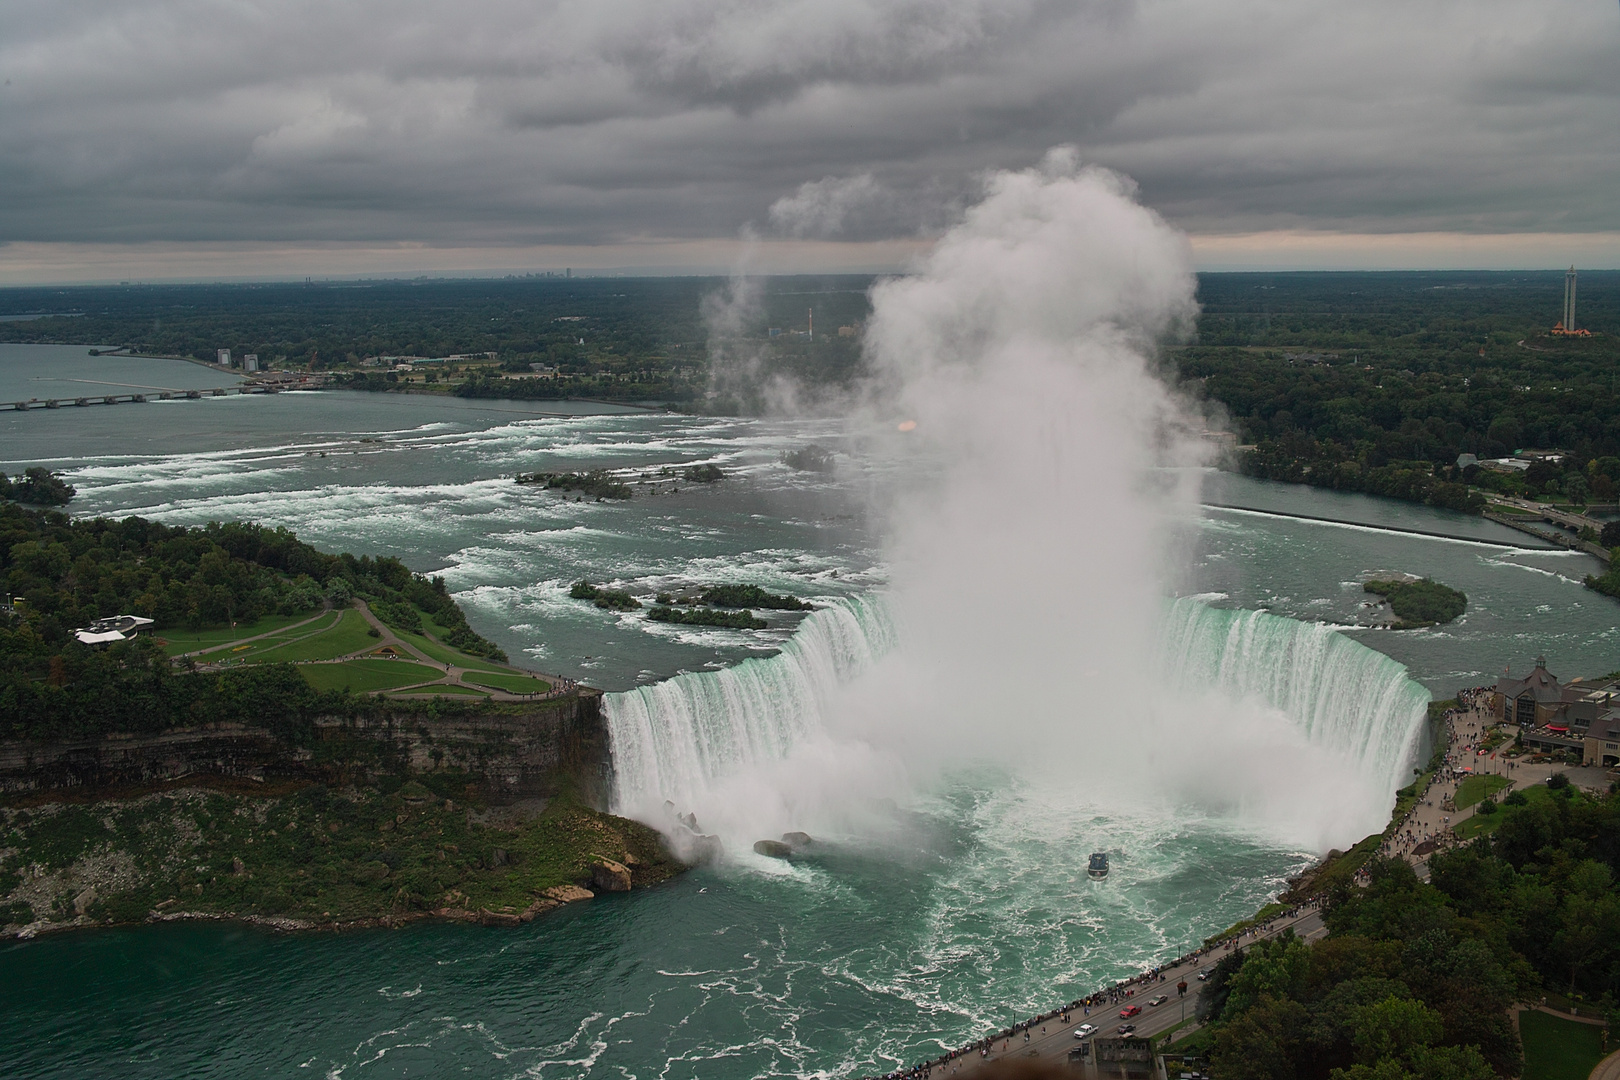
(1418, 603)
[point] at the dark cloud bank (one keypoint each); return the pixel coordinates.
(500, 123)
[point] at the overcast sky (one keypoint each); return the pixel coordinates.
(153, 138)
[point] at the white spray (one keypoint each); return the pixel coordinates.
(1048, 498)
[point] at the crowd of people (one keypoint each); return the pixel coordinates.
(1466, 725)
(1119, 993)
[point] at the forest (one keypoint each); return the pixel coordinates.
(62, 573)
(1371, 382)
(1415, 979)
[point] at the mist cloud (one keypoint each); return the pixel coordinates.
(506, 123)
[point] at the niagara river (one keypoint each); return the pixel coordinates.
(947, 893)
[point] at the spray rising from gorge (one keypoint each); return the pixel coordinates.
(1047, 500)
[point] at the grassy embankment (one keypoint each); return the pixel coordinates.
(331, 650)
(1557, 1049)
(305, 853)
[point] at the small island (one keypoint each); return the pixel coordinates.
(1418, 602)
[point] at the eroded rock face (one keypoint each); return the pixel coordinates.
(609, 876)
(773, 849)
(797, 840)
(568, 894)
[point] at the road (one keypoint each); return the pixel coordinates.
(1052, 1039)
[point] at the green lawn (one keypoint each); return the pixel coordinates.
(183, 641)
(367, 676)
(515, 684)
(1557, 1049)
(1480, 825)
(347, 635)
(446, 655)
(1475, 788)
(454, 691)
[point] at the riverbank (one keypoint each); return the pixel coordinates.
(306, 857)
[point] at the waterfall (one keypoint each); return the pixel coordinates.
(674, 739)
(1349, 699)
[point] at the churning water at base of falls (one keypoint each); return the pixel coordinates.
(964, 903)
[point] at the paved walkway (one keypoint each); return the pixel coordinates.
(1429, 825)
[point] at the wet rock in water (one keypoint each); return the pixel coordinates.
(704, 848)
(567, 894)
(499, 918)
(609, 876)
(772, 849)
(690, 821)
(797, 840)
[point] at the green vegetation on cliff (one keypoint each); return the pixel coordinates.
(64, 573)
(37, 486)
(309, 853)
(1414, 979)
(1419, 603)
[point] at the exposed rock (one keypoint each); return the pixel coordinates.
(568, 894)
(84, 900)
(797, 840)
(539, 907)
(704, 848)
(609, 876)
(630, 860)
(237, 867)
(773, 849)
(498, 857)
(487, 917)
(690, 821)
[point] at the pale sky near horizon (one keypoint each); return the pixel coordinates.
(161, 139)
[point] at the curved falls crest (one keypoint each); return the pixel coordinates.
(675, 739)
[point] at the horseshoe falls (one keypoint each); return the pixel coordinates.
(1258, 721)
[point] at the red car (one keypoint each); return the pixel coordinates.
(1130, 1011)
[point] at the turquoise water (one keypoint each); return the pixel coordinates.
(951, 908)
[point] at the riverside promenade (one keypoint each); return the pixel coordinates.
(1050, 1036)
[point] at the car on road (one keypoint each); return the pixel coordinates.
(1160, 1000)
(1085, 1029)
(1125, 1029)
(1202, 975)
(1129, 1011)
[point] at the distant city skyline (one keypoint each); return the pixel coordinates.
(160, 141)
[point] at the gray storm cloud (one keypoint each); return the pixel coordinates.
(500, 122)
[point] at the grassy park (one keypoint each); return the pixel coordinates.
(340, 649)
(1558, 1049)
(1476, 788)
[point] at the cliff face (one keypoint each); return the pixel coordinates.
(515, 752)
